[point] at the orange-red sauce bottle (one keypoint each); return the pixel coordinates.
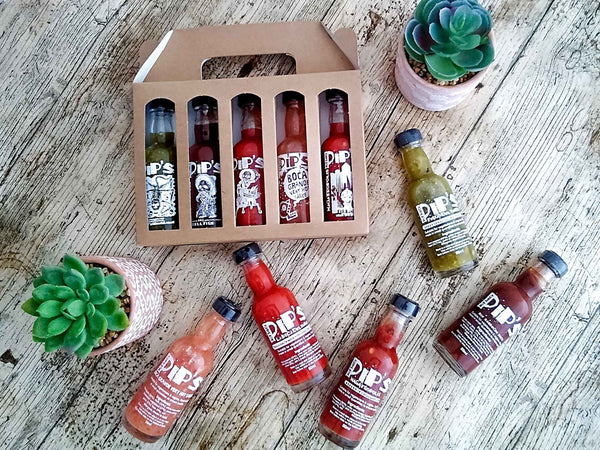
(496, 316)
(355, 399)
(283, 324)
(292, 158)
(337, 165)
(169, 387)
(249, 165)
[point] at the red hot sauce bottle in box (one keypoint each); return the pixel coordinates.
(249, 165)
(205, 170)
(283, 324)
(337, 166)
(169, 387)
(355, 399)
(497, 316)
(293, 163)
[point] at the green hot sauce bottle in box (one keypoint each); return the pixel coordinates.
(161, 167)
(436, 210)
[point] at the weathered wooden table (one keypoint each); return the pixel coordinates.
(523, 154)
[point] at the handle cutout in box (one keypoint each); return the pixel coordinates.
(248, 66)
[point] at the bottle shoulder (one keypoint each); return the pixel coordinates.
(248, 147)
(428, 187)
(513, 297)
(291, 144)
(336, 142)
(157, 152)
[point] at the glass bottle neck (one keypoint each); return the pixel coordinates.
(416, 162)
(258, 276)
(338, 117)
(392, 328)
(251, 121)
(294, 119)
(210, 330)
(161, 126)
(535, 280)
(201, 124)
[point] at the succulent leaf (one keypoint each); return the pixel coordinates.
(53, 274)
(38, 281)
(109, 307)
(83, 295)
(118, 321)
(98, 325)
(76, 308)
(74, 279)
(30, 307)
(40, 328)
(90, 311)
(44, 292)
(450, 36)
(64, 293)
(115, 284)
(75, 337)
(75, 263)
(53, 343)
(59, 325)
(98, 294)
(83, 351)
(94, 276)
(49, 309)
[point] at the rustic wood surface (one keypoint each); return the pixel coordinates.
(523, 154)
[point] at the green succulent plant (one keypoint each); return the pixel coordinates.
(451, 37)
(75, 306)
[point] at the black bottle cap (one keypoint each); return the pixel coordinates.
(248, 99)
(407, 137)
(197, 102)
(405, 305)
(554, 262)
(333, 94)
(161, 103)
(288, 96)
(246, 252)
(226, 308)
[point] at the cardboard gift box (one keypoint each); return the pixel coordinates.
(173, 71)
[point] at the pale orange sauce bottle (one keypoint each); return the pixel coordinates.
(168, 388)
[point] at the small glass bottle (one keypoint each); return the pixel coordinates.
(436, 211)
(249, 165)
(337, 166)
(359, 392)
(161, 167)
(497, 316)
(168, 388)
(283, 324)
(292, 157)
(205, 169)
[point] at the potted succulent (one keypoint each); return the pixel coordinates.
(443, 52)
(94, 304)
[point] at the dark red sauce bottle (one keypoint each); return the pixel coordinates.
(283, 324)
(498, 315)
(359, 392)
(337, 166)
(249, 165)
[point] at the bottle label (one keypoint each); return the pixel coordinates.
(204, 177)
(161, 204)
(248, 171)
(358, 395)
(165, 393)
(338, 183)
(292, 341)
(293, 183)
(485, 327)
(443, 225)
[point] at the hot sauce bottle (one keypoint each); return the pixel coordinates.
(359, 392)
(337, 167)
(498, 315)
(293, 163)
(168, 388)
(205, 170)
(283, 324)
(436, 211)
(249, 165)
(161, 166)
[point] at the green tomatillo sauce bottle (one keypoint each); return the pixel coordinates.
(436, 210)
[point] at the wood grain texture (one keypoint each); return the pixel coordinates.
(523, 155)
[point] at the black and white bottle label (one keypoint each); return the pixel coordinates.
(161, 202)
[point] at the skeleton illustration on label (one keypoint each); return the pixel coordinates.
(160, 193)
(205, 178)
(293, 183)
(248, 194)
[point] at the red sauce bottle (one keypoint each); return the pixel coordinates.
(355, 399)
(205, 170)
(283, 324)
(498, 315)
(249, 165)
(168, 388)
(337, 166)
(293, 163)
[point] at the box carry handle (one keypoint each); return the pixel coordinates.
(180, 55)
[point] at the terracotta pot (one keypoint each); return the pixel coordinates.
(145, 294)
(429, 96)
